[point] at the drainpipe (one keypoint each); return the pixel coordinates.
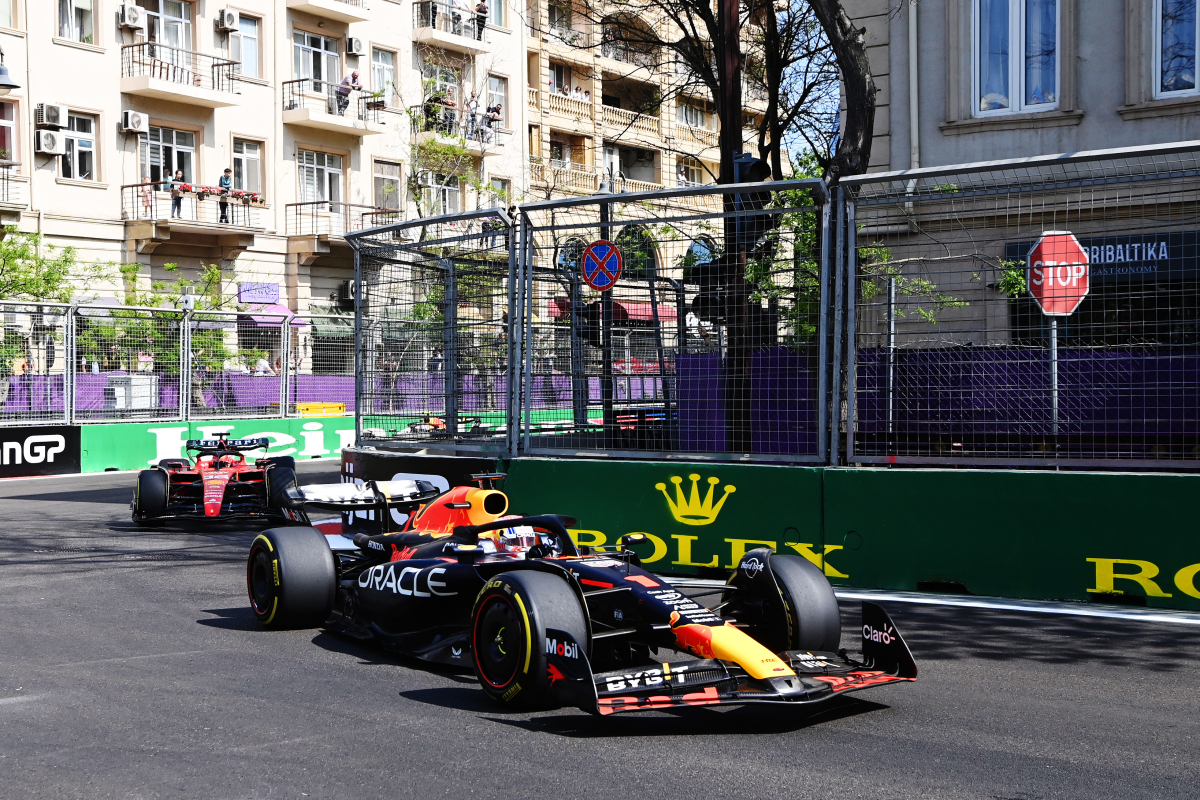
(914, 128)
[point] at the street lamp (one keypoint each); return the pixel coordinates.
(7, 84)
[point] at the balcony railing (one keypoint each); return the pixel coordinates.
(175, 65)
(561, 104)
(620, 51)
(185, 202)
(446, 18)
(453, 122)
(631, 120)
(12, 193)
(564, 175)
(533, 97)
(328, 98)
(325, 218)
(754, 91)
(702, 135)
(571, 37)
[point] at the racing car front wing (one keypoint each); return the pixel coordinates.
(818, 676)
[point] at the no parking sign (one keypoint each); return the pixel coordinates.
(602, 265)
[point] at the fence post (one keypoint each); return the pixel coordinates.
(515, 239)
(527, 361)
(835, 394)
(450, 348)
(851, 328)
(71, 365)
(185, 367)
(358, 336)
(823, 269)
(285, 342)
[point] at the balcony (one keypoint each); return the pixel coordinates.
(701, 136)
(319, 228)
(568, 37)
(181, 76)
(628, 54)
(14, 197)
(563, 176)
(340, 10)
(622, 121)
(448, 125)
(753, 93)
(440, 24)
(188, 219)
(319, 104)
(569, 107)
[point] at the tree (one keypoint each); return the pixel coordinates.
(32, 271)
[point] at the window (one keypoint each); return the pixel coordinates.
(316, 57)
(8, 132)
(247, 166)
(164, 151)
(1175, 46)
(1016, 55)
(496, 13)
(497, 190)
(243, 46)
(80, 161)
(560, 19)
(690, 173)
(692, 115)
(75, 20)
(320, 177)
(497, 95)
(439, 193)
(7, 18)
(441, 82)
(560, 78)
(387, 184)
(383, 71)
(168, 22)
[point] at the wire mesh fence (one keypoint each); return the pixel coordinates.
(34, 362)
(455, 309)
(954, 359)
(434, 352)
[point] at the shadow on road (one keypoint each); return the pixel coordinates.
(239, 618)
(738, 721)
(935, 633)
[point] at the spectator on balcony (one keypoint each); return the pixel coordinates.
(577, 94)
(225, 185)
(348, 84)
(449, 115)
(263, 367)
(587, 96)
(471, 111)
(460, 10)
(481, 18)
(491, 121)
(147, 192)
(177, 185)
(683, 177)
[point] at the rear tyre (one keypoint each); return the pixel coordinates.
(150, 496)
(508, 635)
(278, 481)
(291, 578)
(813, 620)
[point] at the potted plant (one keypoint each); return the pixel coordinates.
(375, 101)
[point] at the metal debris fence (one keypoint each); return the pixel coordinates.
(104, 363)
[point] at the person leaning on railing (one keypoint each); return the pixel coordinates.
(225, 184)
(349, 83)
(177, 184)
(481, 17)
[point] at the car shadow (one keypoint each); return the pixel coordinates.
(457, 698)
(369, 652)
(741, 720)
(948, 633)
(238, 618)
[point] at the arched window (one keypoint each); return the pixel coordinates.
(570, 254)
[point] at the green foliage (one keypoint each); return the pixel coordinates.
(877, 269)
(1012, 279)
(50, 276)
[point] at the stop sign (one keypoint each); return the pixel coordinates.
(1058, 273)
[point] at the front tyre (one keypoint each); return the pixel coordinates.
(509, 632)
(279, 479)
(813, 619)
(150, 496)
(291, 578)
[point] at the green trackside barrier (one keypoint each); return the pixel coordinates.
(132, 445)
(1115, 537)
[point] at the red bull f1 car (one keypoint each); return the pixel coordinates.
(217, 484)
(544, 622)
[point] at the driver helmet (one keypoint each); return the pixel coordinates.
(521, 537)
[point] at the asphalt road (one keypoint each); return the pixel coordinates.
(130, 666)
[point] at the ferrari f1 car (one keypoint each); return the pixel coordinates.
(218, 484)
(544, 622)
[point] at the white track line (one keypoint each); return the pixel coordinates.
(994, 603)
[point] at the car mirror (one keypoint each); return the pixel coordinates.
(633, 539)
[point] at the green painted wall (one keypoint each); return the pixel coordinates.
(138, 445)
(1038, 535)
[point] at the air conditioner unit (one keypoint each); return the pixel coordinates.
(49, 143)
(226, 20)
(134, 122)
(355, 46)
(131, 16)
(346, 295)
(50, 115)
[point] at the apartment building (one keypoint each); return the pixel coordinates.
(962, 81)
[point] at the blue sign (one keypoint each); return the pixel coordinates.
(602, 265)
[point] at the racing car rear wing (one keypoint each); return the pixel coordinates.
(371, 496)
(214, 445)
